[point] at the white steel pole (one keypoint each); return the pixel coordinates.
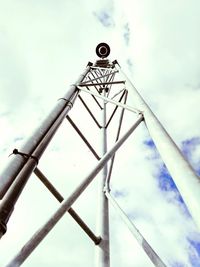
(153, 256)
(12, 170)
(187, 182)
(66, 204)
(103, 250)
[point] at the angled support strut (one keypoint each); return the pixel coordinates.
(71, 211)
(48, 226)
(156, 260)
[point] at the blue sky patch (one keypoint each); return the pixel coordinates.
(105, 18)
(178, 264)
(126, 34)
(166, 183)
(196, 245)
(188, 147)
(119, 193)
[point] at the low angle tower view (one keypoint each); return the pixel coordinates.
(93, 121)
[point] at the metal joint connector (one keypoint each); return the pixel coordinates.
(141, 113)
(98, 240)
(69, 103)
(89, 64)
(106, 189)
(25, 155)
(115, 62)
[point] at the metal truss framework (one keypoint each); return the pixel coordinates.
(107, 85)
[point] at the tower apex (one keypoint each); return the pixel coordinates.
(103, 50)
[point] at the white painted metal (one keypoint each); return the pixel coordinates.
(103, 250)
(138, 236)
(65, 206)
(186, 180)
(135, 110)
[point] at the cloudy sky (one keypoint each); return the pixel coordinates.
(44, 46)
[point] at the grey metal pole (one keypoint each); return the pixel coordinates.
(118, 133)
(24, 164)
(71, 211)
(17, 163)
(153, 256)
(48, 226)
(8, 203)
(110, 100)
(187, 182)
(103, 250)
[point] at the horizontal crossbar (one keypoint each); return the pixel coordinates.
(111, 101)
(102, 76)
(104, 83)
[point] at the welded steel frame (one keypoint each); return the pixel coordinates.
(98, 82)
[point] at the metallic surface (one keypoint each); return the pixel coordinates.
(115, 109)
(102, 50)
(15, 178)
(14, 191)
(102, 76)
(48, 226)
(89, 111)
(103, 250)
(71, 211)
(135, 110)
(117, 138)
(16, 175)
(156, 260)
(83, 137)
(15, 166)
(186, 180)
(103, 83)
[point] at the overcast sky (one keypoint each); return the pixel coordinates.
(44, 46)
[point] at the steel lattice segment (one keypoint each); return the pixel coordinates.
(103, 81)
(156, 260)
(71, 211)
(65, 206)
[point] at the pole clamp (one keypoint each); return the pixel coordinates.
(25, 155)
(67, 101)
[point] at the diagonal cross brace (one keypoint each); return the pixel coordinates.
(153, 256)
(102, 76)
(117, 137)
(97, 102)
(83, 137)
(71, 211)
(89, 111)
(115, 109)
(35, 240)
(135, 110)
(103, 83)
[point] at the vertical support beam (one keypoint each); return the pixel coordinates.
(18, 162)
(65, 206)
(153, 256)
(16, 176)
(103, 249)
(8, 203)
(118, 133)
(187, 182)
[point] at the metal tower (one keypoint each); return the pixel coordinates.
(108, 88)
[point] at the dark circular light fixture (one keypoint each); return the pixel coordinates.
(102, 50)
